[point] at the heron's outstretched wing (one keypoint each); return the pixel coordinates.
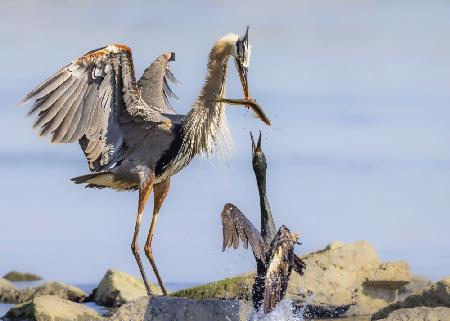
(154, 85)
(90, 100)
(236, 226)
(280, 263)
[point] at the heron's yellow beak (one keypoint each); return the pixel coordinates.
(243, 76)
(255, 107)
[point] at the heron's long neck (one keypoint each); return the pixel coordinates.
(206, 122)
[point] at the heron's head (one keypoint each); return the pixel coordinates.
(238, 47)
(242, 60)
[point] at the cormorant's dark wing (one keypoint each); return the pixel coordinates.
(280, 263)
(236, 226)
(154, 85)
(92, 100)
(298, 264)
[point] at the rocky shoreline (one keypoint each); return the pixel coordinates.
(342, 280)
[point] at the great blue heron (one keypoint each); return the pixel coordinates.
(273, 251)
(130, 135)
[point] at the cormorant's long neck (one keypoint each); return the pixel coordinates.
(207, 117)
(267, 224)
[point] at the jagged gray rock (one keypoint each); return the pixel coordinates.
(51, 308)
(420, 314)
(437, 295)
(181, 309)
(117, 288)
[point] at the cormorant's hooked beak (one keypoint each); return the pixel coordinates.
(256, 147)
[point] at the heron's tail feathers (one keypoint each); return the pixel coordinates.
(102, 180)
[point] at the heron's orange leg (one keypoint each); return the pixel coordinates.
(144, 193)
(160, 192)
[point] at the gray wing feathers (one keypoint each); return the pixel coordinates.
(155, 90)
(237, 227)
(87, 101)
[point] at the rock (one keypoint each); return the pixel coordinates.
(417, 284)
(420, 314)
(21, 276)
(61, 290)
(390, 275)
(235, 288)
(436, 295)
(181, 309)
(8, 292)
(338, 276)
(51, 308)
(117, 288)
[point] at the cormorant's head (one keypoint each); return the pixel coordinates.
(259, 159)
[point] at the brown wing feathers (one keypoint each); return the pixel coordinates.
(281, 260)
(237, 227)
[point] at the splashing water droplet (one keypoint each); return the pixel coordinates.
(283, 312)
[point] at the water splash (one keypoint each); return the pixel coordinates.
(283, 312)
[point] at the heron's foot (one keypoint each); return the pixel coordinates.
(149, 254)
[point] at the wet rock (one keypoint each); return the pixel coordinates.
(436, 295)
(117, 288)
(15, 276)
(341, 275)
(61, 290)
(420, 314)
(8, 292)
(311, 311)
(417, 284)
(51, 308)
(181, 309)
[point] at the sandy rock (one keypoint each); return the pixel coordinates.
(117, 288)
(180, 309)
(417, 284)
(334, 245)
(437, 295)
(61, 290)
(339, 275)
(8, 292)
(420, 314)
(51, 308)
(21, 276)
(390, 275)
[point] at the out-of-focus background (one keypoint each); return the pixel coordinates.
(359, 96)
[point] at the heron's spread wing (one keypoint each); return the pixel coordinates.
(236, 226)
(89, 100)
(154, 86)
(280, 263)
